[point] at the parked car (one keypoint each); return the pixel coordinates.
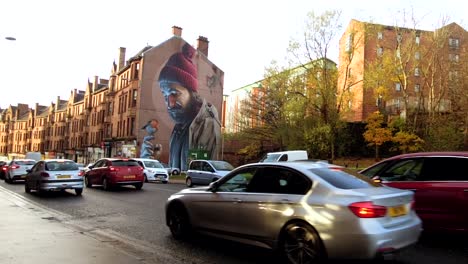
(439, 181)
(16, 169)
(54, 175)
(110, 172)
(153, 170)
(319, 211)
(171, 170)
(204, 172)
(3, 168)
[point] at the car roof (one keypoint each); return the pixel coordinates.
(431, 154)
(60, 160)
(301, 164)
(143, 159)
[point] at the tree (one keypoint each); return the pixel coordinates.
(375, 134)
(407, 142)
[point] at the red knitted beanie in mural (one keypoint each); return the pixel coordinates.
(180, 68)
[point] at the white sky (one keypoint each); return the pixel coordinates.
(60, 44)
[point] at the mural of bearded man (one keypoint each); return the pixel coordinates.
(197, 125)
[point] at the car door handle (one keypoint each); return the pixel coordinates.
(237, 200)
(466, 190)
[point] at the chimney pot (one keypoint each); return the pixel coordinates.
(177, 31)
(202, 45)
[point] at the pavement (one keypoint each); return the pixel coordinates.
(31, 233)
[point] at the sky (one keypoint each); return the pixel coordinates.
(61, 44)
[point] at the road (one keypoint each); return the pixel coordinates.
(137, 218)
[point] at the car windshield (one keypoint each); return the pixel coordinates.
(344, 178)
(153, 164)
(222, 165)
(124, 163)
(61, 166)
(270, 157)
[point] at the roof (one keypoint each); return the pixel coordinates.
(432, 154)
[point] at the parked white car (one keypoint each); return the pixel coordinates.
(153, 170)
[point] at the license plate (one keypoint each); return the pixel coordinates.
(397, 210)
(23, 177)
(63, 176)
(129, 177)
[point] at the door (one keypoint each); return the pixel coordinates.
(34, 177)
(271, 198)
(94, 175)
(219, 211)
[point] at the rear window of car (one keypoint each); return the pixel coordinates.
(25, 162)
(344, 178)
(222, 165)
(124, 163)
(61, 166)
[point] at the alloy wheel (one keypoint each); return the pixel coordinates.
(301, 244)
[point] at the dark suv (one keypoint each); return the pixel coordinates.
(110, 172)
(440, 183)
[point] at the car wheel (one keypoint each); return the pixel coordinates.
(26, 188)
(7, 179)
(138, 186)
(146, 178)
(165, 182)
(178, 222)
(175, 172)
(105, 184)
(300, 243)
(88, 182)
(188, 182)
(78, 191)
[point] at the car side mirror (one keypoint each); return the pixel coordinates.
(377, 179)
(28, 171)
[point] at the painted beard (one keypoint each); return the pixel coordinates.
(182, 115)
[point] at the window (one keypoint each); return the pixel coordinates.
(380, 51)
(454, 43)
(454, 57)
(445, 169)
(403, 170)
(417, 55)
(239, 182)
(379, 35)
(397, 87)
(416, 71)
(134, 97)
(417, 88)
(279, 181)
(349, 43)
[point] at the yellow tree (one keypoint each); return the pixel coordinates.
(408, 142)
(375, 133)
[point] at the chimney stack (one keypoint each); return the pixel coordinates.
(121, 58)
(177, 31)
(202, 45)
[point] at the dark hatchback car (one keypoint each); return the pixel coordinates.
(110, 172)
(439, 181)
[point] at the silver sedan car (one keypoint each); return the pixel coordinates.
(304, 210)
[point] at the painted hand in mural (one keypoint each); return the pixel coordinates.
(197, 125)
(147, 147)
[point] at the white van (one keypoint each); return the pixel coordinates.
(289, 155)
(37, 156)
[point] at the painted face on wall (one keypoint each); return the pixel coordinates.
(178, 101)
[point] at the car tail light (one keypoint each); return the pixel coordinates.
(368, 210)
(44, 174)
(113, 169)
(13, 167)
(5, 168)
(81, 173)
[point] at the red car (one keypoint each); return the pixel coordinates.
(110, 172)
(440, 183)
